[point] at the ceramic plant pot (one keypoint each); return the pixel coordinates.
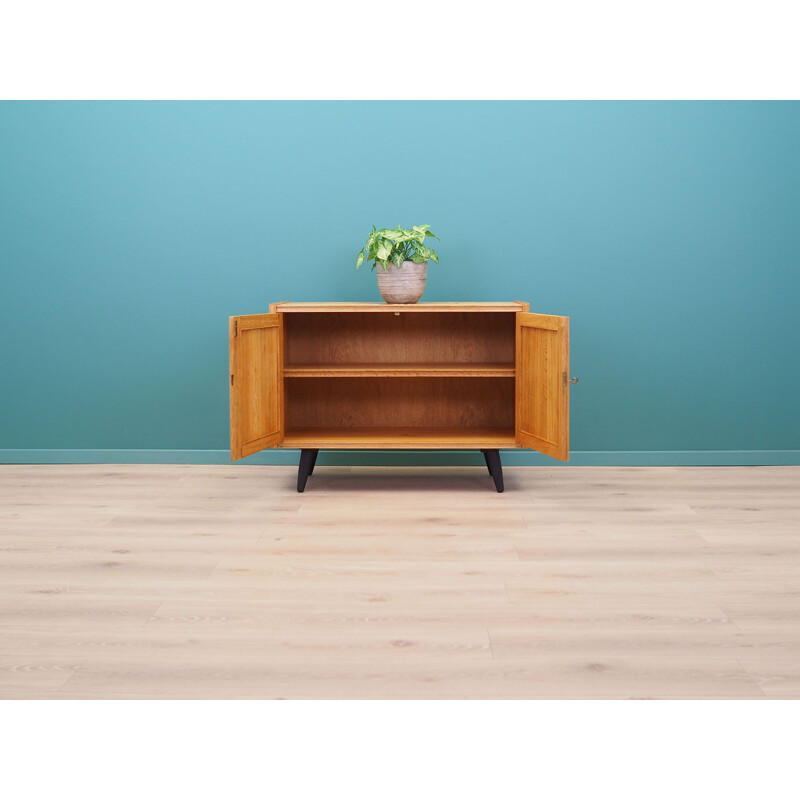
(402, 285)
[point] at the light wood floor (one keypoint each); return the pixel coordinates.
(223, 582)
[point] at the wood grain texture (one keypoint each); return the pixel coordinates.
(424, 403)
(345, 338)
(542, 401)
(417, 308)
(399, 370)
(394, 438)
(164, 581)
(256, 383)
(343, 354)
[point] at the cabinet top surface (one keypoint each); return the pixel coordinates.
(514, 305)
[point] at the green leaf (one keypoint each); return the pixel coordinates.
(396, 245)
(421, 232)
(423, 251)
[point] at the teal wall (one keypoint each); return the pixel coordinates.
(668, 232)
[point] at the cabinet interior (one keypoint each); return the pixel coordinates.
(401, 338)
(399, 377)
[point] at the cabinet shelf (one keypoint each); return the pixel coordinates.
(400, 438)
(400, 370)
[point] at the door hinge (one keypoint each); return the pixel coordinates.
(235, 328)
(231, 380)
(563, 378)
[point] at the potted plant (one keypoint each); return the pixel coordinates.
(403, 258)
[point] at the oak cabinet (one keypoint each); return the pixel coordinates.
(485, 376)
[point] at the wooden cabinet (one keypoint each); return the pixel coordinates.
(485, 376)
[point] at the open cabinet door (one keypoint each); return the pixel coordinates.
(543, 384)
(256, 367)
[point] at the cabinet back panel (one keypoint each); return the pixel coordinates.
(399, 402)
(461, 337)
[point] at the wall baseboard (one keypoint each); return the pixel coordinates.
(580, 458)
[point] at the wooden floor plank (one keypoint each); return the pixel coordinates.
(157, 581)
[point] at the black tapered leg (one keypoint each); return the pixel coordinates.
(495, 467)
(307, 461)
(313, 463)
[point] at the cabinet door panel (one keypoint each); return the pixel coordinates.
(543, 384)
(256, 377)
